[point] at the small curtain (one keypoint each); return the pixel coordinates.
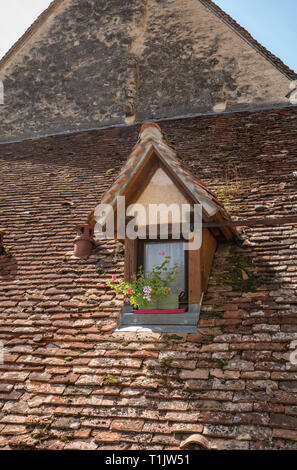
(155, 254)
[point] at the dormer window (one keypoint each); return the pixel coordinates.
(153, 207)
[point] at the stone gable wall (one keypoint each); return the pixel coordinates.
(95, 63)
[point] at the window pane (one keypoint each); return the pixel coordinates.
(154, 257)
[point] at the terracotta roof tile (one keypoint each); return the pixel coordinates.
(66, 375)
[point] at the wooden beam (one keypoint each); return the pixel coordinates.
(227, 231)
(130, 266)
(209, 246)
(267, 221)
(194, 277)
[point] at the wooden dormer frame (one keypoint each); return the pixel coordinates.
(151, 153)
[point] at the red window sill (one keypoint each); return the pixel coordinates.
(181, 310)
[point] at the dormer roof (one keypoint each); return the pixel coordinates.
(151, 143)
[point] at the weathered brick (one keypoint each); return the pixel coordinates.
(127, 425)
(285, 434)
(14, 429)
(194, 374)
(173, 405)
(283, 421)
(14, 376)
(81, 445)
(187, 428)
(183, 417)
(107, 436)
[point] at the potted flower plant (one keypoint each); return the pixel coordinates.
(151, 292)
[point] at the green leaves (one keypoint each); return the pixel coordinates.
(158, 280)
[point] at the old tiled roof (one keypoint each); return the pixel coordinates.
(68, 381)
(249, 38)
(152, 139)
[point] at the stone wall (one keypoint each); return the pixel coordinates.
(96, 63)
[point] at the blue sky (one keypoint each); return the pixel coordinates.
(15, 18)
(272, 22)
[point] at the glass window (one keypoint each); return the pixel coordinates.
(154, 256)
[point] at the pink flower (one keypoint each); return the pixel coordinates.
(130, 291)
(114, 278)
(163, 253)
(126, 299)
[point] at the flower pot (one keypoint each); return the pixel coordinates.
(83, 242)
(82, 248)
(170, 302)
(150, 306)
